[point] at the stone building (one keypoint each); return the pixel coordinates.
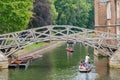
(107, 18)
(107, 15)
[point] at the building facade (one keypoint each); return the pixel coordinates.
(107, 15)
(107, 18)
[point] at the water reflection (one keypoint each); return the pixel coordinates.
(115, 74)
(85, 76)
(101, 66)
(4, 74)
(69, 55)
(59, 64)
(92, 75)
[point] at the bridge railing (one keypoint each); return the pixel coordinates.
(104, 41)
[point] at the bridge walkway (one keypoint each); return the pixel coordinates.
(105, 42)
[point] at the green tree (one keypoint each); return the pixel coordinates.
(53, 11)
(15, 15)
(45, 13)
(90, 23)
(73, 12)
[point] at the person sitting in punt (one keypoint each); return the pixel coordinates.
(69, 49)
(82, 65)
(88, 65)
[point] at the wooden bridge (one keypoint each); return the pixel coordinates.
(105, 42)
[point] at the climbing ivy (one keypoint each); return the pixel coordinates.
(15, 15)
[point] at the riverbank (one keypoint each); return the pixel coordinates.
(40, 50)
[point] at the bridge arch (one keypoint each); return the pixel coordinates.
(105, 42)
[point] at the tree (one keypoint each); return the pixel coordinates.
(73, 12)
(44, 13)
(53, 11)
(90, 23)
(15, 15)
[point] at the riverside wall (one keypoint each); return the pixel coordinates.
(114, 60)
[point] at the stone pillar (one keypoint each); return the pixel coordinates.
(115, 59)
(3, 61)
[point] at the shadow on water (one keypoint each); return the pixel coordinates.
(59, 64)
(4, 74)
(102, 68)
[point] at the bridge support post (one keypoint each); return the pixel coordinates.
(3, 61)
(115, 59)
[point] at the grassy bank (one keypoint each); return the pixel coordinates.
(38, 48)
(30, 48)
(35, 46)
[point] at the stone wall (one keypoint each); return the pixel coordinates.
(3, 61)
(101, 21)
(4, 64)
(4, 74)
(115, 59)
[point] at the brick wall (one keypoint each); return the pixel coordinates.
(101, 21)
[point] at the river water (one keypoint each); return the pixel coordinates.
(59, 64)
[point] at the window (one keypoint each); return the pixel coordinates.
(104, 1)
(108, 10)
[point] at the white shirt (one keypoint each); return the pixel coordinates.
(87, 59)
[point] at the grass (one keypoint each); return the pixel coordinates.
(34, 46)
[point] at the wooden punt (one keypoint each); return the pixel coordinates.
(12, 66)
(85, 70)
(24, 64)
(37, 57)
(70, 49)
(19, 64)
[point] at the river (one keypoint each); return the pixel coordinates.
(58, 64)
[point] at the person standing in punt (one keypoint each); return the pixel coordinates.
(87, 60)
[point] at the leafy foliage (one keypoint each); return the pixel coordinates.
(53, 11)
(73, 12)
(44, 11)
(15, 15)
(18, 14)
(90, 23)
